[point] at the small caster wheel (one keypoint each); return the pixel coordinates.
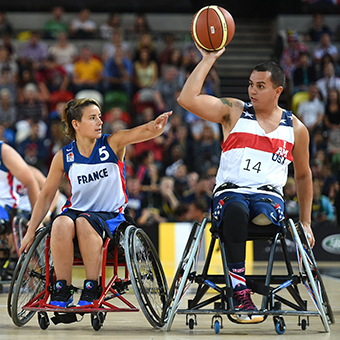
(96, 322)
(303, 324)
(43, 320)
(217, 326)
(280, 326)
(191, 323)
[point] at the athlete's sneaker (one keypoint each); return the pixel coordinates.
(62, 295)
(244, 303)
(89, 293)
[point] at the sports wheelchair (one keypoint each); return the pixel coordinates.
(273, 288)
(128, 250)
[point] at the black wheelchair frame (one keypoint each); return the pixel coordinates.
(270, 286)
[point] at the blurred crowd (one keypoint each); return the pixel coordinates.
(171, 177)
(311, 63)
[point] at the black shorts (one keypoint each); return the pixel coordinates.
(97, 220)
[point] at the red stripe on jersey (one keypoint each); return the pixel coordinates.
(10, 183)
(241, 140)
(121, 172)
(69, 199)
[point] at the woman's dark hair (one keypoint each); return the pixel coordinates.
(278, 77)
(74, 110)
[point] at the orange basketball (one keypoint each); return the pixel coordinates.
(212, 28)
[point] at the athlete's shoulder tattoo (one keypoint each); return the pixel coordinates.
(225, 101)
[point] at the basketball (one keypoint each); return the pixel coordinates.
(212, 28)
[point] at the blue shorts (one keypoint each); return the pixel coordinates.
(255, 203)
(97, 220)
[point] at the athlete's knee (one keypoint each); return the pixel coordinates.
(63, 228)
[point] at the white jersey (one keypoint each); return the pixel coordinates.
(98, 183)
(22, 192)
(253, 158)
(7, 195)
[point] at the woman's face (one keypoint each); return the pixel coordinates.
(91, 123)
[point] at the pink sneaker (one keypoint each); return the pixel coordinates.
(243, 302)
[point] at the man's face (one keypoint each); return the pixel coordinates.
(261, 92)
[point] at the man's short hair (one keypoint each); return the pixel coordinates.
(278, 77)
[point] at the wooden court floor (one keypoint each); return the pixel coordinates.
(133, 325)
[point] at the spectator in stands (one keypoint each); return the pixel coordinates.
(182, 212)
(175, 59)
(145, 70)
(83, 27)
(325, 47)
(147, 172)
(290, 58)
(116, 41)
(291, 201)
(6, 41)
(7, 82)
(168, 87)
(115, 114)
(5, 25)
(107, 28)
(207, 151)
(87, 71)
(331, 190)
(35, 50)
(56, 24)
(164, 202)
(118, 73)
(332, 126)
(322, 209)
(31, 109)
(136, 197)
(6, 62)
(64, 52)
(200, 192)
(317, 29)
(197, 210)
(145, 41)
(304, 74)
(329, 81)
(8, 115)
(191, 58)
(52, 75)
(32, 149)
(311, 111)
(165, 53)
(327, 59)
(140, 26)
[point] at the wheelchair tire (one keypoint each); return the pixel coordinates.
(31, 279)
(13, 282)
(180, 269)
(183, 285)
(146, 275)
(311, 276)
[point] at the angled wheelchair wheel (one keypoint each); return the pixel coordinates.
(146, 275)
(31, 279)
(180, 270)
(19, 229)
(183, 279)
(311, 276)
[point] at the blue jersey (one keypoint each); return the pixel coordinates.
(98, 183)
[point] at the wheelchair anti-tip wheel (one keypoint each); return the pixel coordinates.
(310, 275)
(146, 275)
(186, 266)
(30, 280)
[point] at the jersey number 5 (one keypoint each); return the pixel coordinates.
(103, 154)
